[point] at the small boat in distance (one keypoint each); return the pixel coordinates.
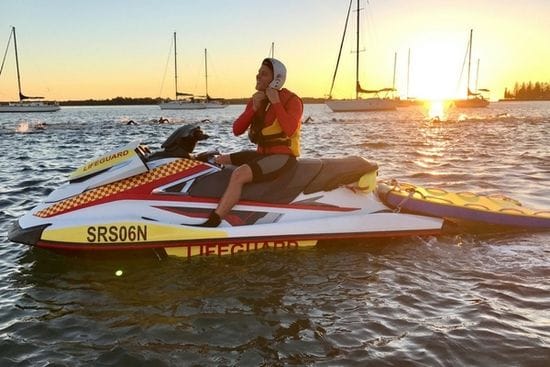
(474, 99)
(26, 103)
(189, 101)
(375, 103)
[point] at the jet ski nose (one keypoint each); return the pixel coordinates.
(28, 236)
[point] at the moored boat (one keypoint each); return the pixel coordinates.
(188, 101)
(474, 98)
(25, 103)
(29, 106)
(359, 104)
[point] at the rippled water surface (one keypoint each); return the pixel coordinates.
(467, 299)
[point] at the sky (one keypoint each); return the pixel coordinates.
(76, 49)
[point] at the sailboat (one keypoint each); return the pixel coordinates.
(375, 103)
(189, 101)
(408, 101)
(211, 102)
(26, 103)
(474, 98)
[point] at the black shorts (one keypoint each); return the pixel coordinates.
(265, 167)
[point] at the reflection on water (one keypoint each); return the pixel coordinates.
(415, 301)
(437, 110)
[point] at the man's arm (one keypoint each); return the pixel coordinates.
(290, 115)
(243, 121)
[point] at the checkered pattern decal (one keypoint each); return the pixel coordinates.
(117, 187)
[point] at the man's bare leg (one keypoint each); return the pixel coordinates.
(240, 176)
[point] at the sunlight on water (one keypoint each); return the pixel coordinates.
(462, 117)
(437, 110)
(435, 149)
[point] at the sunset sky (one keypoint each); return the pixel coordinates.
(70, 49)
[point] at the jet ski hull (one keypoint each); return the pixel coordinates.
(169, 226)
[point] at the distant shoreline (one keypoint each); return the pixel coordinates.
(524, 100)
(124, 101)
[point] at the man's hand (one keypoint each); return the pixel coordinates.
(257, 99)
(222, 159)
(273, 95)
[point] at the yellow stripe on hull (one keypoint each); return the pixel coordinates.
(129, 233)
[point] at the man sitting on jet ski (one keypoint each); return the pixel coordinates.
(273, 117)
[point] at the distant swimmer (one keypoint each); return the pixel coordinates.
(25, 127)
(131, 122)
(162, 120)
(308, 119)
(205, 120)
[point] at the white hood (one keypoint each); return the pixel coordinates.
(279, 73)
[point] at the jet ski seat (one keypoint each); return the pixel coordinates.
(281, 190)
(308, 175)
(339, 171)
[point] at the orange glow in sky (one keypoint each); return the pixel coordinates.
(103, 49)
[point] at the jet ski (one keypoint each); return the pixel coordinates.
(134, 199)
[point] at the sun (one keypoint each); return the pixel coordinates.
(435, 70)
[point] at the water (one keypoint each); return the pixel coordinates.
(464, 299)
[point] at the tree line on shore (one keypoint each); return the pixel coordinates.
(529, 91)
(127, 101)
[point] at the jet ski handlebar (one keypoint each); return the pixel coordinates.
(208, 156)
(182, 142)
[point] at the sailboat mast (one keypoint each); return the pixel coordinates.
(17, 64)
(357, 56)
(394, 69)
(206, 73)
(408, 71)
(477, 73)
(340, 51)
(176, 65)
(469, 61)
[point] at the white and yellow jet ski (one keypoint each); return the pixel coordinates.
(131, 199)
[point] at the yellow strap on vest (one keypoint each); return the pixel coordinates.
(275, 129)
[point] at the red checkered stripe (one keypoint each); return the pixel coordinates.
(117, 187)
